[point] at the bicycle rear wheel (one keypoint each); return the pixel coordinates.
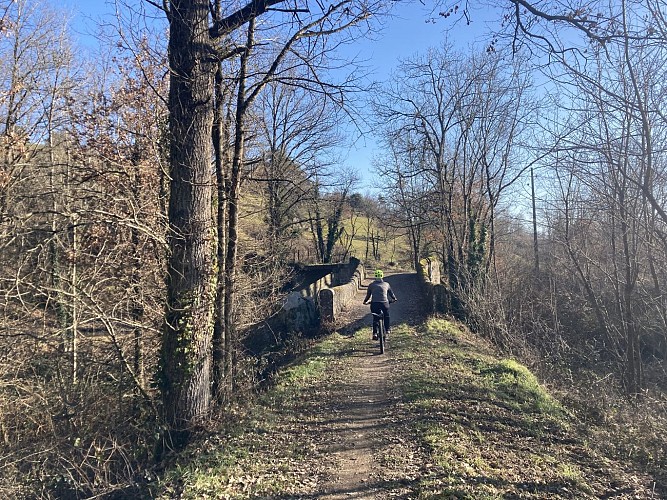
(381, 336)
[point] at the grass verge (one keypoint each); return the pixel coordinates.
(266, 448)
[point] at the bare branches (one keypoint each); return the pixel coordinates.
(232, 22)
(164, 6)
(457, 122)
(577, 17)
(555, 27)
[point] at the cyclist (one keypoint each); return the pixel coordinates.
(380, 294)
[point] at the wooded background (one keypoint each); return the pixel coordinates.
(153, 202)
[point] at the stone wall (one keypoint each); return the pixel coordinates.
(298, 314)
(435, 292)
(316, 294)
(336, 299)
(319, 291)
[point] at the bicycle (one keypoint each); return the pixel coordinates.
(378, 320)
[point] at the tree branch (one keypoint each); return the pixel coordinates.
(252, 10)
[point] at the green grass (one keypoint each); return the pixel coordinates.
(516, 385)
(492, 429)
(440, 327)
(256, 455)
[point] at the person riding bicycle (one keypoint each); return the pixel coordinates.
(380, 294)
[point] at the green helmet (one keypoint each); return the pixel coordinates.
(379, 273)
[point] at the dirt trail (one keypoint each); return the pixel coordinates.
(363, 409)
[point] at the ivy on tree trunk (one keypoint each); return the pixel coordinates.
(186, 347)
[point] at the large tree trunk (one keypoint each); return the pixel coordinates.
(186, 346)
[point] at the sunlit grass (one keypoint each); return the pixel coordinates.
(572, 473)
(468, 402)
(515, 384)
(442, 326)
(309, 369)
(257, 457)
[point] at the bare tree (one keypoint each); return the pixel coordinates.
(609, 152)
(194, 36)
(84, 240)
(410, 193)
(299, 129)
(458, 120)
(608, 63)
(326, 214)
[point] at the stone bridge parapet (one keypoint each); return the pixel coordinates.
(333, 300)
(437, 298)
(321, 291)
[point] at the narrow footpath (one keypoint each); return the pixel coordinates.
(363, 409)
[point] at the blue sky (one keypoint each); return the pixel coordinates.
(408, 33)
(404, 35)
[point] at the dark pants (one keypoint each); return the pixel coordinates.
(377, 308)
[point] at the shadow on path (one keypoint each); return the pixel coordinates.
(361, 411)
(409, 308)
